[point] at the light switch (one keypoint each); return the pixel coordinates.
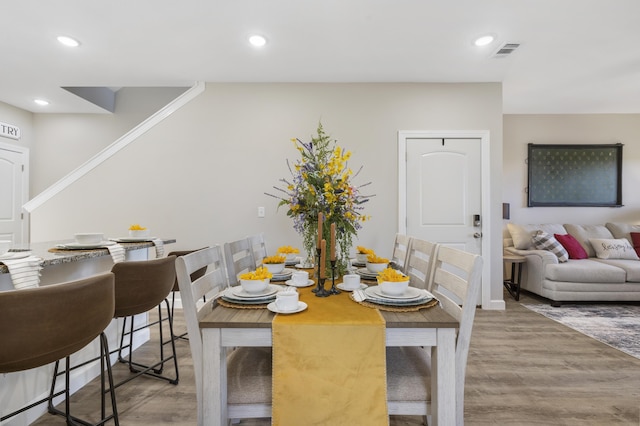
(260, 211)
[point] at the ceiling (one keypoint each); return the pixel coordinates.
(575, 56)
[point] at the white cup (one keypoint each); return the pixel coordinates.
(5, 245)
(300, 277)
(287, 301)
(351, 281)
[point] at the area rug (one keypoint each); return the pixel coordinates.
(615, 325)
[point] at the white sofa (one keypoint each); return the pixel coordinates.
(591, 279)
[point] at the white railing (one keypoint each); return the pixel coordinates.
(116, 146)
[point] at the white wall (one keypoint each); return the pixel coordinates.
(201, 174)
(63, 142)
(519, 130)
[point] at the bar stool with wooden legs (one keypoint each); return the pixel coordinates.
(139, 287)
(42, 325)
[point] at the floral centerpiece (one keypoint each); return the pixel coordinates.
(322, 183)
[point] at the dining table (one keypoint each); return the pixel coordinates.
(224, 328)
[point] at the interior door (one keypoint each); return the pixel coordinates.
(12, 194)
(444, 191)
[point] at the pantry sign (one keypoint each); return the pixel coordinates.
(9, 131)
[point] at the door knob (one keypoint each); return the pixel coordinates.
(477, 235)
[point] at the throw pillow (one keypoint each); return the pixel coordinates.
(613, 248)
(573, 247)
(544, 241)
(635, 239)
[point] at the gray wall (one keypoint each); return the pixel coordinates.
(200, 175)
(520, 130)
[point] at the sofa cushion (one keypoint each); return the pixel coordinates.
(622, 230)
(585, 271)
(573, 247)
(521, 234)
(544, 241)
(583, 233)
(613, 248)
(635, 241)
(631, 267)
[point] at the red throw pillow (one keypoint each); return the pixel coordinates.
(635, 241)
(572, 246)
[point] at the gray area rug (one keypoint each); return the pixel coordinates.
(615, 325)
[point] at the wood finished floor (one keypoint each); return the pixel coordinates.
(523, 369)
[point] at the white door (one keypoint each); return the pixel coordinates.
(13, 193)
(444, 191)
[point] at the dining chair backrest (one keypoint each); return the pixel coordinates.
(239, 259)
(400, 252)
(459, 274)
(193, 291)
(420, 259)
(258, 247)
(196, 274)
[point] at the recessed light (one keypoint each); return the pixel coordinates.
(68, 41)
(257, 40)
(41, 102)
(484, 40)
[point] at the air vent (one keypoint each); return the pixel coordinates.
(506, 50)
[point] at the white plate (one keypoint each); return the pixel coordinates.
(284, 275)
(78, 246)
(273, 308)
(132, 239)
(12, 255)
(238, 291)
(366, 274)
(294, 284)
(341, 287)
(301, 266)
(410, 293)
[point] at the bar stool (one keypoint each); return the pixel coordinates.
(45, 324)
(139, 287)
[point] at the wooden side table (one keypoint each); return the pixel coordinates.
(513, 283)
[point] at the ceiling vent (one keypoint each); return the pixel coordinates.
(506, 50)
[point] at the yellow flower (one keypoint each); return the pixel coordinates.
(390, 274)
(274, 259)
(260, 273)
(364, 250)
(136, 227)
(373, 258)
(288, 249)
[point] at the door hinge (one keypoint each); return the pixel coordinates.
(22, 167)
(21, 216)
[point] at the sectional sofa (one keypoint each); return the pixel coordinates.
(602, 265)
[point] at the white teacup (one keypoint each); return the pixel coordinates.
(287, 301)
(300, 277)
(5, 245)
(351, 281)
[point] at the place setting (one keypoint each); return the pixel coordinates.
(86, 241)
(299, 279)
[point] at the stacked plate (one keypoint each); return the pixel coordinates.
(411, 297)
(282, 276)
(366, 274)
(238, 295)
(88, 246)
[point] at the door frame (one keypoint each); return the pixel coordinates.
(25, 187)
(485, 169)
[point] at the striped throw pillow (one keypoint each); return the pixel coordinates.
(544, 241)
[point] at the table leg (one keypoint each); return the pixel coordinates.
(212, 407)
(443, 379)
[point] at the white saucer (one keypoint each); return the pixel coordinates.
(238, 291)
(79, 246)
(294, 284)
(301, 266)
(341, 287)
(132, 239)
(273, 308)
(12, 255)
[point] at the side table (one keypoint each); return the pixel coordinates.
(513, 283)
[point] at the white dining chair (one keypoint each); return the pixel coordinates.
(239, 259)
(258, 247)
(401, 245)
(248, 368)
(419, 264)
(456, 274)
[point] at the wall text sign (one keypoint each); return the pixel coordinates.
(9, 131)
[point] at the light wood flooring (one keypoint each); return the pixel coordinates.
(523, 369)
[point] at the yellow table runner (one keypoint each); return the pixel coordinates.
(329, 364)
